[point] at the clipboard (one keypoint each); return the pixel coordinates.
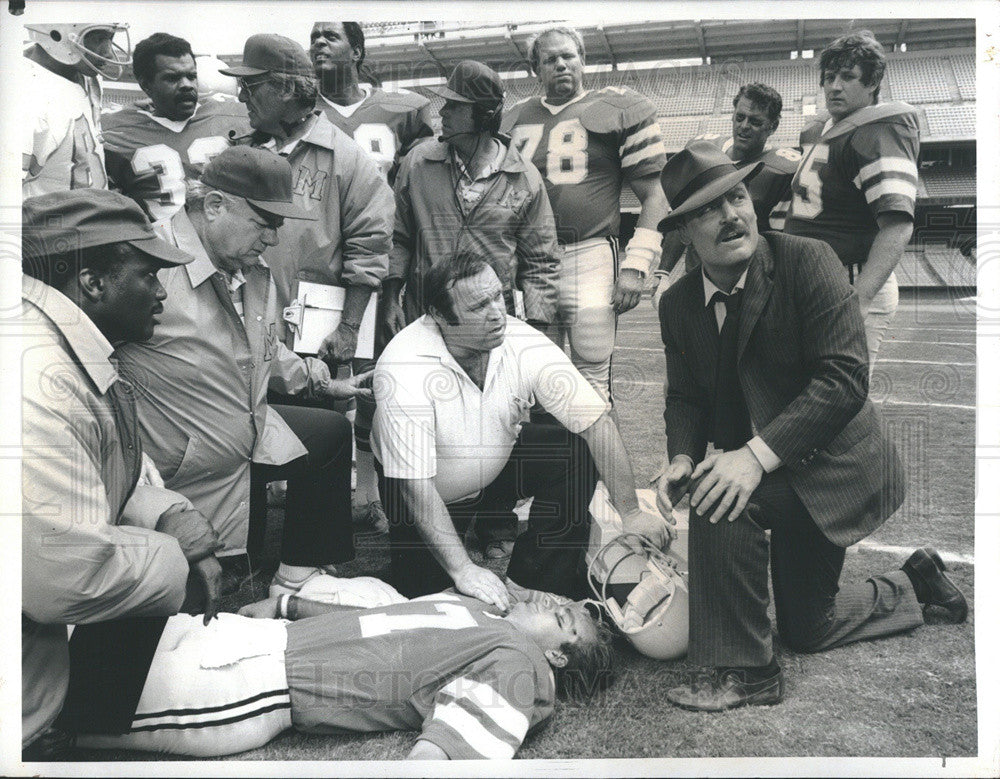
(316, 312)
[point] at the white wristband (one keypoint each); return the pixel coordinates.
(643, 250)
(283, 605)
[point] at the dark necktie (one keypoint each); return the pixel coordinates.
(731, 428)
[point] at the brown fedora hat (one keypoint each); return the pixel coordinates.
(698, 174)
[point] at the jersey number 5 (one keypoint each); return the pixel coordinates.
(566, 158)
(807, 190)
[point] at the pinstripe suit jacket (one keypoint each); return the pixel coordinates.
(803, 368)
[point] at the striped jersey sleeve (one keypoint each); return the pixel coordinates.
(486, 711)
(642, 151)
(886, 158)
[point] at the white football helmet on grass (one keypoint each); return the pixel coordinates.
(645, 593)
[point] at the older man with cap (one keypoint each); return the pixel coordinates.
(204, 376)
(102, 549)
(766, 357)
(472, 192)
(347, 244)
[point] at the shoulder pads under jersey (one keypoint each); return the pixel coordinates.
(870, 114)
(400, 102)
(782, 159)
(510, 115)
(613, 109)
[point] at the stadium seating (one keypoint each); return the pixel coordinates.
(946, 181)
(950, 122)
(965, 75)
(918, 80)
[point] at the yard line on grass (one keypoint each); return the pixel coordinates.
(948, 557)
(880, 360)
(887, 402)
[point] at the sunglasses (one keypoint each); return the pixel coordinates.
(250, 84)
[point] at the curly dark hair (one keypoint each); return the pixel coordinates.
(764, 96)
(855, 48)
(144, 54)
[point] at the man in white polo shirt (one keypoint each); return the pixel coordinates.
(453, 393)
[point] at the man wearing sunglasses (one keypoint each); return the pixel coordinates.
(348, 242)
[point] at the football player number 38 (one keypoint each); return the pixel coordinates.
(566, 158)
(165, 163)
(807, 192)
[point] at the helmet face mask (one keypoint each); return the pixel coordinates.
(64, 42)
(645, 594)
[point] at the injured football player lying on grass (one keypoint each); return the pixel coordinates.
(474, 681)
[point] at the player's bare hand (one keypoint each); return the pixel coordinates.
(671, 484)
(149, 474)
(628, 290)
(653, 526)
(340, 345)
(393, 318)
(359, 386)
(727, 480)
(262, 609)
(482, 583)
(662, 286)
(208, 573)
(196, 537)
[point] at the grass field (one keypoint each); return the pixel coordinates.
(913, 695)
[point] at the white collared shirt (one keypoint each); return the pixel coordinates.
(432, 421)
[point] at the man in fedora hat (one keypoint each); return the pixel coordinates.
(204, 375)
(102, 548)
(766, 357)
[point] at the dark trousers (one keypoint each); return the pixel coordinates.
(548, 463)
(317, 528)
(729, 625)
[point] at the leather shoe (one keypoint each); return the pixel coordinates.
(932, 585)
(718, 689)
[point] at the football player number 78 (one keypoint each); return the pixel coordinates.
(566, 158)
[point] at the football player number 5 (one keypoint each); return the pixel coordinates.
(566, 158)
(807, 193)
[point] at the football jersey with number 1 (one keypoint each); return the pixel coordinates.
(853, 171)
(150, 158)
(585, 150)
(445, 664)
(386, 124)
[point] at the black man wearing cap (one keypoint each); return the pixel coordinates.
(766, 357)
(204, 376)
(102, 549)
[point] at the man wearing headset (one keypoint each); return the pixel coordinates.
(472, 191)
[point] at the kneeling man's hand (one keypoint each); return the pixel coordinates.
(728, 479)
(482, 583)
(359, 386)
(656, 528)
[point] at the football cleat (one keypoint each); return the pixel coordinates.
(64, 42)
(645, 593)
